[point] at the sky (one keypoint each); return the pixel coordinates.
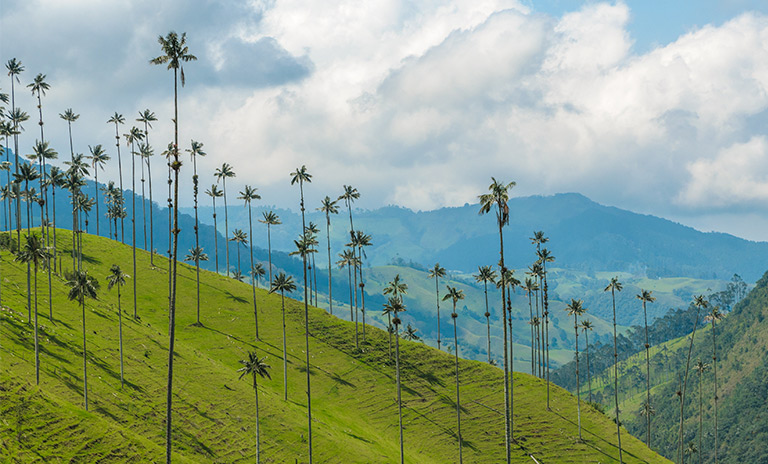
(653, 106)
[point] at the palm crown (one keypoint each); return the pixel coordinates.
(176, 52)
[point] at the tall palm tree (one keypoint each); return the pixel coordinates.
(361, 240)
(116, 277)
(300, 176)
(82, 286)
(39, 87)
(42, 152)
(240, 238)
(714, 316)
(691, 450)
(410, 333)
(57, 178)
(497, 197)
(455, 295)
(34, 252)
(699, 302)
(313, 230)
(349, 260)
(148, 117)
(16, 116)
(435, 273)
(175, 52)
(196, 254)
(145, 153)
(283, 283)
(70, 116)
(28, 173)
(117, 119)
(256, 368)
(98, 159)
(545, 257)
(393, 306)
(646, 297)
(701, 367)
(530, 287)
(486, 274)
(248, 195)
(576, 309)
(215, 193)
(270, 219)
(170, 154)
(507, 279)
(615, 286)
(586, 327)
(132, 138)
(195, 151)
(349, 196)
(222, 174)
(329, 207)
(397, 289)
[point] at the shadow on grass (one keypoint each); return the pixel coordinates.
(234, 297)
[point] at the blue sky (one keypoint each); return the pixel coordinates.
(657, 107)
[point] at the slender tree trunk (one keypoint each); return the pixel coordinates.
(511, 367)
(399, 398)
(143, 203)
(269, 245)
(53, 193)
(133, 226)
(120, 322)
(96, 194)
(37, 347)
(351, 309)
(487, 320)
(362, 294)
(152, 214)
(546, 327)
(685, 384)
(197, 241)
(714, 367)
(647, 380)
(85, 365)
(589, 373)
(437, 298)
(216, 236)
(328, 233)
(458, 400)
(285, 352)
(306, 327)
(389, 332)
(616, 374)
(258, 437)
(578, 391)
(120, 173)
(507, 418)
(533, 338)
(357, 344)
(226, 224)
(701, 423)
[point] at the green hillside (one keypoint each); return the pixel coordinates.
(353, 391)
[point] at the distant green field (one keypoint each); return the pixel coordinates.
(353, 391)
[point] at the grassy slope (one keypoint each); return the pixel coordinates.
(353, 391)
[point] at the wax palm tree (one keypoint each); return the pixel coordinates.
(435, 273)
(82, 286)
(256, 368)
(257, 272)
(283, 283)
(175, 52)
(196, 254)
(39, 87)
(117, 119)
(397, 289)
(195, 151)
(691, 450)
(455, 295)
(238, 276)
(221, 174)
(393, 306)
(215, 193)
(42, 152)
(349, 260)
(145, 153)
(508, 280)
(486, 274)
(28, 173)
(35, 253)
(148, 117)
(361, 240)
(70, 116)
(270, 219)
(545, 257)
(329, 207)
(530, 287)
(576, 309)
(714, 316)
(116, 277)
(300, 176)
(131, 138)
(699, 302)
(313, 230)
(16, 116)
(701, 367)
(170, 154)
(98, 159)
(497, 198)
(615, 286)
(248, 195)
(240, 238)
(586, 327)
(410, 333)
(646, 297)
(349, 196)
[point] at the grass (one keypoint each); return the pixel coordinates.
(353, 391)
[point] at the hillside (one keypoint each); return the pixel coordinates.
(742, 351)
(353, 390)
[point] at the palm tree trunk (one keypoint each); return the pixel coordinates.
(226, 224)
(120, 173)
(37, 347)
(328, 233)
(647, 380)
(685, 382)
(133, 225)
(546, 328)
(533, 338)
(437, 298)
(487, 320)
(351, 309)
(507, 418)
(306, 327)
(85, 365)
(53, 193)
(362, 296)
(589, 373)
(216, 236)
(197, 241)
(389, 332)
(701, 424)
(511, 367)
(458, 401)
(357, 344)
(258, 438)
(616, 374)
(399, 398)
(96, 188)
(143, 204)
(714, 367)
(269, 245)
(578, 391)
(285, 351)
(152, 217)
(120, 322)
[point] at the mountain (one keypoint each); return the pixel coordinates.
(742, 376)
(353, 390)
(584, 236)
